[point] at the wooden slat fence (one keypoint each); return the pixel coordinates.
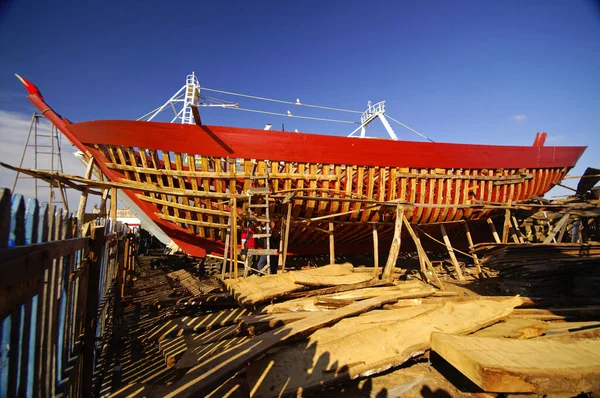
(57, 290)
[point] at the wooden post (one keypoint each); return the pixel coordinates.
(451, 253)
(517, 229)
(506, 226)
(280, 257)
(234, 239)
(493, 228)
(422, 254)
(227, 240)
(113, 206)
(84, 193)
(395, 248)
(331, 244)
(375, 252)
(420, 251)
(287, 235)
(470, 240)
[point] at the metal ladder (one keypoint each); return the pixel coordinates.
(268, 251)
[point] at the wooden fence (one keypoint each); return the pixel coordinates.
(58, 284)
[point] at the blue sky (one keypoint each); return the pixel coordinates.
(456, 71)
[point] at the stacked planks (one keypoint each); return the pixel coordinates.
(541, 270)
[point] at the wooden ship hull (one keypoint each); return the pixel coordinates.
(184, 178)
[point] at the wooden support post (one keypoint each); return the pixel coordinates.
(331, 244)
(562, 223)
(375, 252)
(475, 258)
(506, 226)
(234, 239)
(422, 255)
(493, 228)
(113, 206)
(517, 229)
(280, 257)
(227, 240)
(451, 253)
(395, 248)
(286, 236)
(84, 193)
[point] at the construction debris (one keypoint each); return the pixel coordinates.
(349, 331)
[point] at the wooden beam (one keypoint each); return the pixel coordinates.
(451, 253)
(286, 235)
(85, 192)
(493, 229)
(375, 252)
(234, 245)
(562, 223)
(423, 255)
(506, 227)
(475, 258)
(113, 205)
(542, 366)
(395, 248)
(517, 230)
(331, 244)
(191, 222)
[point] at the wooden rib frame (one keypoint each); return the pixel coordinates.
(440, 192)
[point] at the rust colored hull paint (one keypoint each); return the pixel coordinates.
(220, 159)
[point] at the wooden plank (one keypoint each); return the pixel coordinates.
(327, 280)
(360, 346)
(451, 253)
(395, 248)
(184, 221)
(539, 366)
(375, 252)
(514, 328)
(187, 208)
(327, 302)
(213, 174)
(5, 198)
(16, 236)
(221, 365)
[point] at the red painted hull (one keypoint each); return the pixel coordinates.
(318, 166)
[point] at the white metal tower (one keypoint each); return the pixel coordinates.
(373, 112)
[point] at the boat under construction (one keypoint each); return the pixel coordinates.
(192, 180)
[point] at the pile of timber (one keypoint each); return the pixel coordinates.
(543, 270)
(307, 331)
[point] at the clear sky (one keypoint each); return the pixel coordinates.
(457, 71)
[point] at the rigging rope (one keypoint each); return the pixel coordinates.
(406, 127)
(280, 101)
(294, 116)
